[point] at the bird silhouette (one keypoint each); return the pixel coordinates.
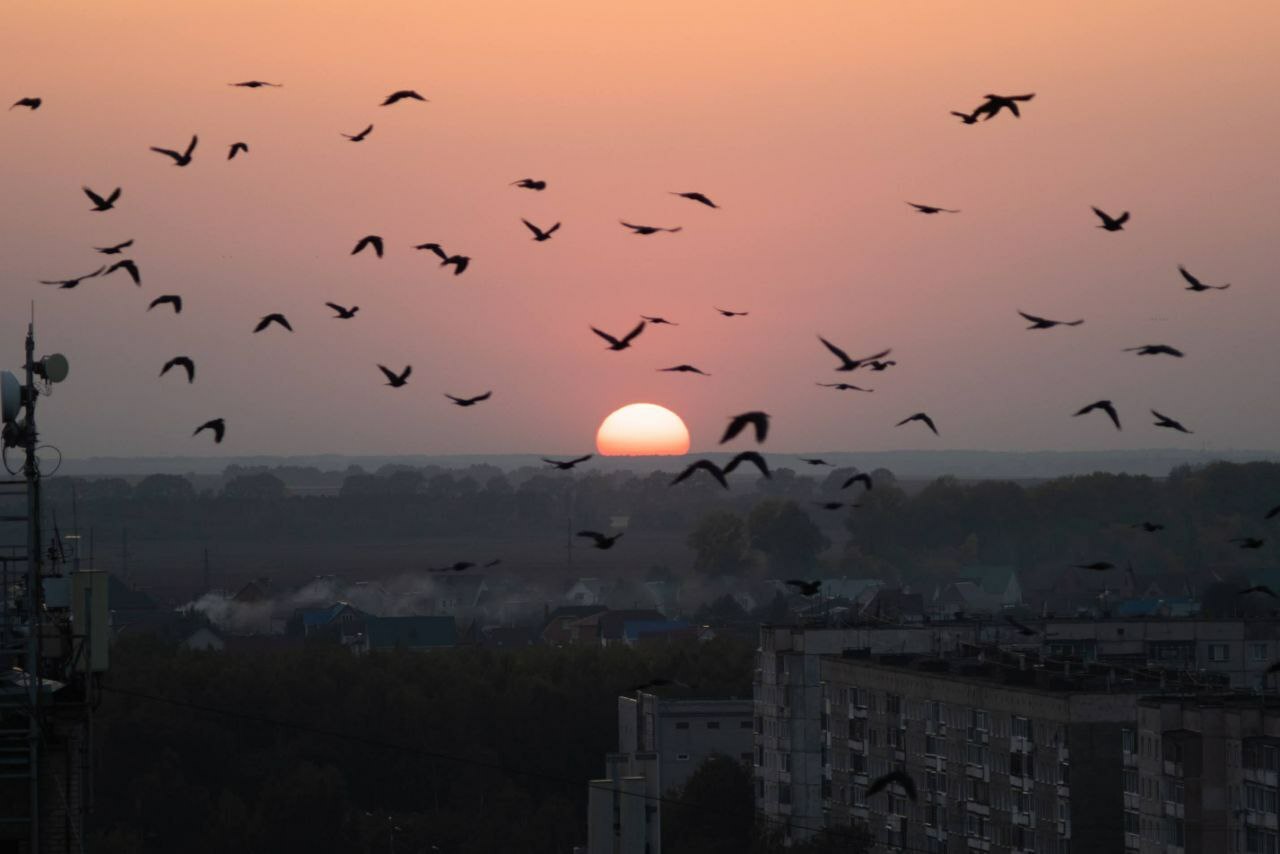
(1105, 406)
(1096, 566)
(1044, 323)
(601, 541)
(922, 417)
(129, 267)
(966, 118)
(1248, 542)
(1024, 630)
(657, 321)
(359, 137)
(684, 369)
(566, 465)
(847, 364)
(701, 465)
(460, 566)
(814, 461)
(68, 284)
(1273, 512)
(396, 380)
(1258, 588)
(237, 148)
(1194, 284)
(168, 299)
(341, 313)
(255, 84)
(459, 262)
(844, 386)
(1166, 421)
(806, 588)
(1155, 350)
(1110, 223)
(217, 425)
(1149, 527)
(400, 95)
(179, 159)
(649, 229)
(832, 505)
(738, 423)
(470, 401)
(114, 250)
(32, 103)
(881, 365)
(530, 184)
(493, 563)
(727, 313)
(930, 209)
(697, 197)
(861, 477)
(270, 319)
(538, 234)
(755, 458)
(620, 343)
(995, 103)
(99, 203)
(370, 240)
(183, 362)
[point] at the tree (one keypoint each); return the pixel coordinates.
(714, 812)
(786, 534)
(255, 487)
(164, 489)
(720, 541)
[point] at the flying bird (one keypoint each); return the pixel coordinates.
(684, 369)
(68, 284)
(814, 461)
(168, 299)
(1248, 542)
(370, 240)
(1273, 512)
(493, 563)
(1044, 323)
(697, 197)
(460, 566)
(1149, 527)
(844, 386)
(183, 362)
(114, 250)
(624, 342)
(179, 159)
(129, 267)
(538, 234)
(861, 477)
(1258, 588)
(966, 118)
(396, 380)
(99, 203)
(649, 229)
(341, 313)
(701, 465)
(401, 95)
(995, 103)
(1110, 223)
(881, 365)
(657, 321)
(530, 184)
(1105, 406)
(359, 137)
(727, 313)
(832, 505)
(600, 540)
(1024, 630)
(1155, 350)
(33, 103)
(270, 319)
(930, 209)
(1166, 421)
(566, 465)
(738, 423)
(847, 364)
(806, 588)
(470, 401)
(1194, 284)
(255, 84)
(459, 262)
(1096, 566)
(922, 417)
(237, 148)
(755, 458)
(217, 425)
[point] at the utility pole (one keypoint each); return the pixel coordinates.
(31, 473)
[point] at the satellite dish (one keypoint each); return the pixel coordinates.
(54, 368)
(10, 396)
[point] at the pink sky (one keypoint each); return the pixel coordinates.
(810, 124)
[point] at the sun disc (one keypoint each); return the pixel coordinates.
(642, 429)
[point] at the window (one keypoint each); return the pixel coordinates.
(978, 720)
(893, 704)
(1022, 728)
(682, 724)
(713, 725)
(1174, 832)
(1131, 781)
(682, 757)
(1126, 740)
(1257, 652)
(1219, 652)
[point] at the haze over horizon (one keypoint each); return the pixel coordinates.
(810, 127)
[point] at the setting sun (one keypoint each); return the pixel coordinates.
(641, 429)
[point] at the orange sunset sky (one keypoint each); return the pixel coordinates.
(811, 123)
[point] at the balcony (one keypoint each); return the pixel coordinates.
(977, 844)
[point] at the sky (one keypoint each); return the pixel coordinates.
(810, 124)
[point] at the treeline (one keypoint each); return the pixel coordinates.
(467, 751)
